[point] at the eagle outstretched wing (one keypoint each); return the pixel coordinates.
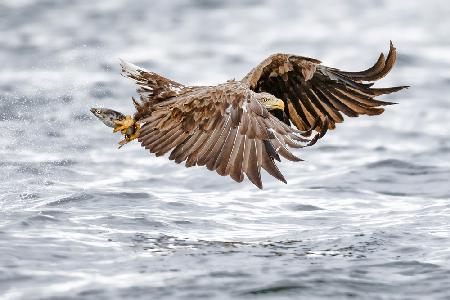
(224, 128)
(312, 92)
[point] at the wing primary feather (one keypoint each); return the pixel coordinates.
(360, 97)
(271, 150)
(334, 114)
(300, 108)
(320, 106)
(261, 130)
(323, 92)
(275, 125)
(383, 91)
(298, 90)
(212, 156)
(295, 118)
(236, 170)
(178, 149)
(358, 107)
(224, 157)
(211, 142)
(191, 154)
(181, 151)
(148, 139)
(145, 129)
(269, 165)
(179, 139)
(234, 153)
(375, 69)
(283, 151)
(153, 138)
(390, 62)
(245, 121)
(164, 146)
(236, 114)
(245, 160)
(251, 131)
(166, 138)
(199, 148)
(379, 70)
(253, 169)
(333, 77)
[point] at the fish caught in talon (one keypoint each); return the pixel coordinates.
(124, 124)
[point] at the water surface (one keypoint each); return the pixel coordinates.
(366, 216)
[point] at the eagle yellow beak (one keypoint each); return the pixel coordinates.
(272, 104)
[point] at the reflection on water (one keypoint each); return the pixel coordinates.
(366, 215)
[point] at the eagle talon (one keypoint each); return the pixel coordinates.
(129, 138)
(129, 128)
(123, 125)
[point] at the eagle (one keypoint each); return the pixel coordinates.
(242, 126)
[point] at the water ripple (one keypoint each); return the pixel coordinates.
(365, 216)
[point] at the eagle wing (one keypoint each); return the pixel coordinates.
(313, 92)
(223, 128)
(150, 86)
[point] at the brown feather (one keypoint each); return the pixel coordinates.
(383, 91)
(211, 142)
(297, 86)
(332, 113)
(224, 157)
(253, 170)
(216, 150)
(361, 97)
(234, 153)
(180, 149)
(269, 165)
(335, 102)
(390, 62)
(281, 149)
(245, 123)
(245, 160)
(166, 135)
(177, 138)
(193, 153)
(236, 114)
(236, 170)
(251, 132)
(375, 69)
(356, 106)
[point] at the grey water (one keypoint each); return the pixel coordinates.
(366, 215)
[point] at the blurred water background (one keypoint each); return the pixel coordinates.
(366, 216)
